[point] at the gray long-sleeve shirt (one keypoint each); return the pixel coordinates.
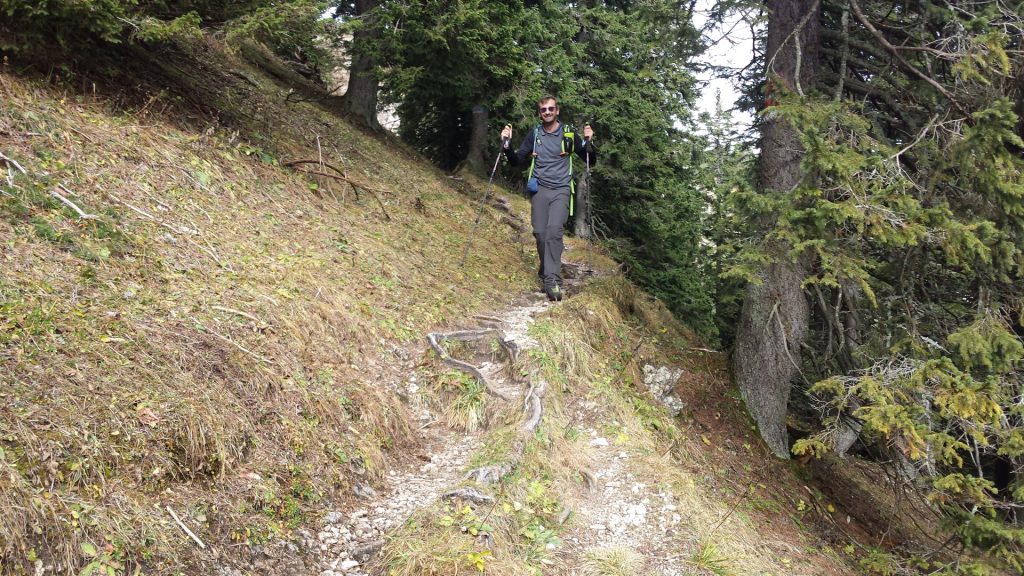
(551, 167)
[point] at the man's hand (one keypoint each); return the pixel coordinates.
(588, 132)
(506, 135)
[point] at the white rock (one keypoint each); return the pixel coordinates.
(599, 442)
(348, 565)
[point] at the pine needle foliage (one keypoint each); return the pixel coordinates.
(909, 215)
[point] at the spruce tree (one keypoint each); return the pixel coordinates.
(907, 219)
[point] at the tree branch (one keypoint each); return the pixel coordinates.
(343, 177)
(899, 58)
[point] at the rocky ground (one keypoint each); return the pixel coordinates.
(619, 511)
(351, 537)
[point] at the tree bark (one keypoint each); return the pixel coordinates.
(476, 155)
(360, 98)
(775, 315)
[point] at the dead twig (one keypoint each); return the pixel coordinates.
(240, 313)
(470, 494)
(81, 214)
(185, 528)
(233, 343)
(355, 185)
(343, 177)
(12, 162)
(735, 505)
(319, 162)
(632, 356)
(177, 230)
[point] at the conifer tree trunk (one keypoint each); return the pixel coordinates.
(361, 97)
(476, 157)
(775, 316)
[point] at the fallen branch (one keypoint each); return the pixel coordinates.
(177, 230)
(14, 163)
(81, 214)
(708, 350)
(318, 163)
(240, 313)
(342, 176)
(489, 474)
(355, 187)
(486, 318)
(185, 528)
(322, 164)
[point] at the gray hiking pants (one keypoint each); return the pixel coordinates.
(550, 211)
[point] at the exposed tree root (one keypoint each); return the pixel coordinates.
(435, 339)
(468, 494)
(489, 474)
(534, 406)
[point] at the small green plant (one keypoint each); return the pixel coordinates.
(466, 409)
(612, 562)
(708, 557)
(478, 560)
(879, 563)
(467, 520)
(258, 153)
(103, 561)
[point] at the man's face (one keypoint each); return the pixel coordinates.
(547, 110)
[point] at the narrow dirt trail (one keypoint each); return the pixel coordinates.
(352, 536)
(622, 510)
(624, 518)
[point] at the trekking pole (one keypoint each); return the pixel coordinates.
(483, 202)
(589, 210)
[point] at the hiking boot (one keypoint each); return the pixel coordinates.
(554, 293)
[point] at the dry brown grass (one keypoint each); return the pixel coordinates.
(220, 339)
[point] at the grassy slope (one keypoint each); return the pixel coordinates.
(220, 340)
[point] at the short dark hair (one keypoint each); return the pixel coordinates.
(544, 99)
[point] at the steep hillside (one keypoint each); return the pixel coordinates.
(214, 304)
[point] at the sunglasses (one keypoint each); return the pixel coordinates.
(543, 109)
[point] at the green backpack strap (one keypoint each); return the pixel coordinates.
(569, 134)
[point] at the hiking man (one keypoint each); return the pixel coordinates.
(550, 145)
